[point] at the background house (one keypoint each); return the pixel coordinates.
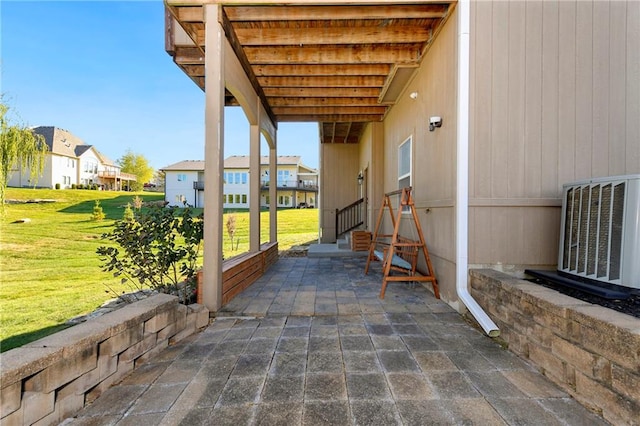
(296, 183)
(69, 161)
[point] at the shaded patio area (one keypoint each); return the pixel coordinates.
(311, 343)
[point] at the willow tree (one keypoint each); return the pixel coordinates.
(19, 148)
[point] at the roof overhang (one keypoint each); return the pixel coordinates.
(341, 64)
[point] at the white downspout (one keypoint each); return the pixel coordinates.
(462, 174)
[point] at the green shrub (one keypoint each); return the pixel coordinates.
(98, 214)
(73, 186)
(128, 216)
(157, 249)
(57, 186)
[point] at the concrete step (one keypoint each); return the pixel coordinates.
(344, 243)
(332, 250)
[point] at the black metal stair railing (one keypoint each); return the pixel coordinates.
(349, 217)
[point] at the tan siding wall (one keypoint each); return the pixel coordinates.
(372, 162)
(338, 183)
(555, 97)
(433, 152)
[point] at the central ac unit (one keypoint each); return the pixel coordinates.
(600, 231)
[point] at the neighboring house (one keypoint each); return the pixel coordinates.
(297, 184)
(69, 161)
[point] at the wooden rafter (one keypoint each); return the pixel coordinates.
(315, 60)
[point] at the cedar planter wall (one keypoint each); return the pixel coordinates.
(240, 272)
(50, 379)
(592, 352)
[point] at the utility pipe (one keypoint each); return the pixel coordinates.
(462, 175)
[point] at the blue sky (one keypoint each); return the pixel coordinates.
(99, 70)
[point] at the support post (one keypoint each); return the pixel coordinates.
(273, 193)
(214, 158)
(254, 188)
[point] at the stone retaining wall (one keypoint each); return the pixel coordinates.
(52, 378)
(590, 351)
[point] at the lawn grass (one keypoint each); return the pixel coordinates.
(49, 269)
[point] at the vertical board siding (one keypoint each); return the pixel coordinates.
(600, 108)
(550, 76)
(499, 100)
(433, 153)
(555, 97)
(338, 182)
(516, 109)
(481, 110)
(584, 88)
(533, 99)
(632, 101)
(617, 83)
(567, 92)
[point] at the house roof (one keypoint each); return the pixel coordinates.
(237, 162)
(105, 160)
(342, 65)
(61, 142)
(186, 165)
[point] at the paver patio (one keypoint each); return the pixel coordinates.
(311, 343)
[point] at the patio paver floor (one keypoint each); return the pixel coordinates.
(310, 343)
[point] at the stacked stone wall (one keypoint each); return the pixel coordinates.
(590, 351)
(50, 379)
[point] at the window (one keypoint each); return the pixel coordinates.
(244, 198)
(283, 177)
(281, 200)
(237, 198)
(404, 167)
(244, 178)
(404, 164)
(267, 200)
(237, 177)
(286, 200)
(230, 198)
(182, 177)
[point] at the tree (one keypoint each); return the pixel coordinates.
(137, 165)
(19, 148)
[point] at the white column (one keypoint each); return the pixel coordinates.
(273, 193)
(254, 189)
(214, 158)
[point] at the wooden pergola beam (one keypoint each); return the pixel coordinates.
(304, 92)
(375, 54)
(263, 70)
(331, 118)
(329, 110)
(322, 81)
(322, 101)
(332, 35)
(334, 12)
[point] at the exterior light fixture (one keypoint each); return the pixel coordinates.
(360, 178)
(413, 95)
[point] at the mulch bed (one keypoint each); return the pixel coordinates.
(630, 306)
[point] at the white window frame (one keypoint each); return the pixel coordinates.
(408, 174)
